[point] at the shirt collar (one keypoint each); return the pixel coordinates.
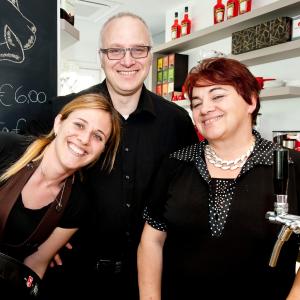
(145, 104)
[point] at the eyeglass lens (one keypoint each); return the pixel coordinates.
(135, 52)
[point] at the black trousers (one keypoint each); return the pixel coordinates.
(86, 282)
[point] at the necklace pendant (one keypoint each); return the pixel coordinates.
(58, 207)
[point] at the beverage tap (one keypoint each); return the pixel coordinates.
(290, 223)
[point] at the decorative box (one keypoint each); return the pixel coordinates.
(263, 35)
(237, 42)
(280, 30)
(244, 40)
(249, 41)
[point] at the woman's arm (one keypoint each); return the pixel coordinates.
(39, 260)
(150, 260)
(295, 290)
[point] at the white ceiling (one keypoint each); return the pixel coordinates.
(152, 11)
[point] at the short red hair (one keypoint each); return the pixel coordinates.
(225, 71)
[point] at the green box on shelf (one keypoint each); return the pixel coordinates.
(171, 74)
(178, 69)
(165, 75)
(159, 77)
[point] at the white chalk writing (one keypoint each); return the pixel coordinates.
(17, 129)
(10, 95)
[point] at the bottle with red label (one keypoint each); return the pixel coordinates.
(186, 23)
(232, 8)
(244, 6)
(175, 28)
(219, 12)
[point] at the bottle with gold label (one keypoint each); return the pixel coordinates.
(219, 11)
(186, 23)
(232, 8)
(244, 6)
(175, 28)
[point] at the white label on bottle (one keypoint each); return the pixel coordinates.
(173, 34)
(183, 29)
(243, 7)
(230, 12)
(220, 16)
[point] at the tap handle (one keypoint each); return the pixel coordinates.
(281, 171)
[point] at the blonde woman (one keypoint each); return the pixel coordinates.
(41, 199)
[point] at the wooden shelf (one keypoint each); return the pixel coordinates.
(225, 29)
(283, 92)
(68, 34)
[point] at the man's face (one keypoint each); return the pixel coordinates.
(125, 76)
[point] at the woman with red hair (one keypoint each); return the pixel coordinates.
(206, 235)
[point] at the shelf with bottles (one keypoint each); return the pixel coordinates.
(68, 34)
(183, 27)
(225, 29)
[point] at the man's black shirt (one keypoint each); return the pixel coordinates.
(156, 128)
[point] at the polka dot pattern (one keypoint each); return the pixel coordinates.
(221, 191)
(154, 223)
(220, 198)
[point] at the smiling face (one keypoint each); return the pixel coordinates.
(220, 113)
(81, 137)
(125, 76)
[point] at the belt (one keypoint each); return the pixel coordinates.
(19, 275)
(109, 266)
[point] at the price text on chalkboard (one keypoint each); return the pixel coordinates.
(28, 61)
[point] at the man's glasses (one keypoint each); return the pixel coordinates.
(119, 53)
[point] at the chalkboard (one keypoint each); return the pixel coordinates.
(28, 61)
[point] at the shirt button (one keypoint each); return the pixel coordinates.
(127, 177)
(126, 149)
(128, 205)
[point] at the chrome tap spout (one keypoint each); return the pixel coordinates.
(283, 236)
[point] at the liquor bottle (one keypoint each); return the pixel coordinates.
(186, 23)
(176, 28)
(244, 6)
(232, 8)
(219, 10)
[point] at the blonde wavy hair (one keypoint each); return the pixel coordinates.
(36, 149)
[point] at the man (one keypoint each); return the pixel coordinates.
(151, 128)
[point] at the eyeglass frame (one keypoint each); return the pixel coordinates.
(106, 50)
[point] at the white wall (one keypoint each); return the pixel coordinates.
(80, 65)
(283, 114)
(280, 114)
